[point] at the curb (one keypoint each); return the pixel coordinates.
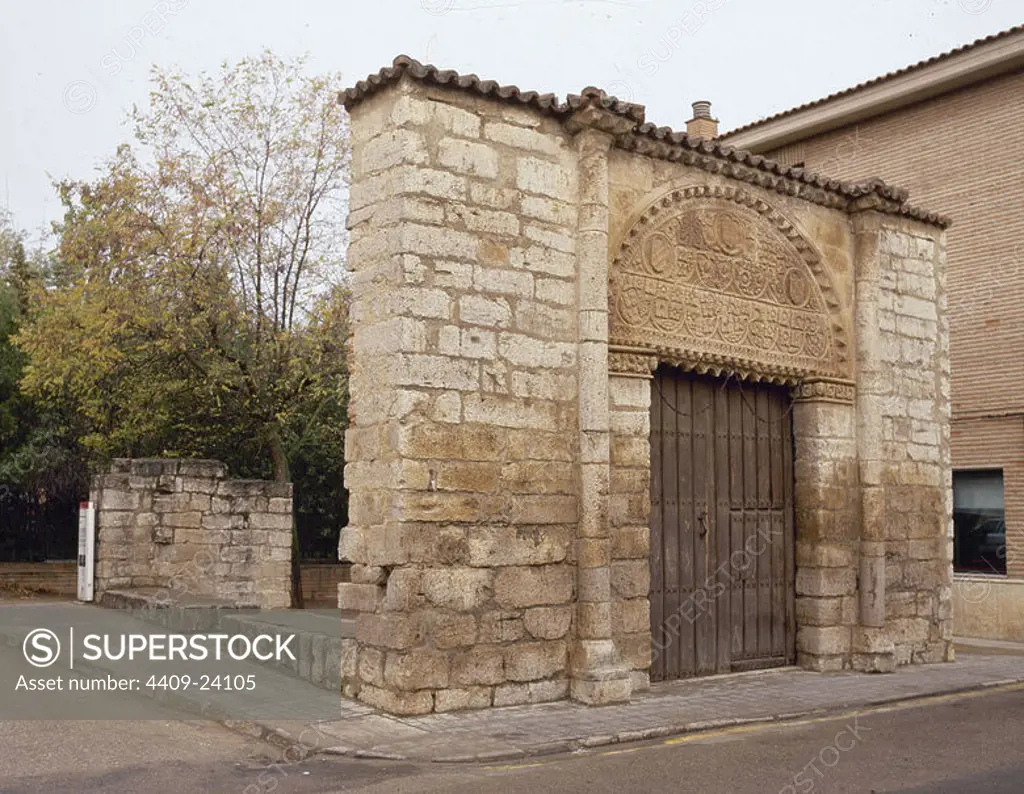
(265, 730)
(578, 744)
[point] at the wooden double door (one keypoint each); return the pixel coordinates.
(722, 536)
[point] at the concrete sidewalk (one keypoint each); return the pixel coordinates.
(667, 710)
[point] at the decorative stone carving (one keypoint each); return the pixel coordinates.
(828, 390)
(632, 364)
(716, 275)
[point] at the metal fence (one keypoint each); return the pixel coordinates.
(35, 530)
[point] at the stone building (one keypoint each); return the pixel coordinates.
(950, 129)
(629, 404)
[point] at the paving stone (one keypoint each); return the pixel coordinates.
(667, 709)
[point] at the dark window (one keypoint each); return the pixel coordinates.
(979, 522)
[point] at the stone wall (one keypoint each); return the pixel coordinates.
(827, 504)
(520, 267)
(463, 502)
(182, 526)
(874, 555)
(913, 388)
(629, 511)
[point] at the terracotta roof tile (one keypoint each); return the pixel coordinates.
(428, 73)
(841, 192)
(875, 81)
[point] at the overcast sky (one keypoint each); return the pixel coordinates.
(72, 69)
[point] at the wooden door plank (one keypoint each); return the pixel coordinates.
(670, 462)
(736, 586)
(657, 530)
(777, 408)
(685, 651)
(750, 599)
(703, 468)
(722, 602)
(759, 544)
(789, 536)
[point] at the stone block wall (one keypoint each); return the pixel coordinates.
(873, 499)
(461, 462)
(914, 412)
(827, 506)
(182, 526)
(629, 509)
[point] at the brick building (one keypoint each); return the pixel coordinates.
(950, 130)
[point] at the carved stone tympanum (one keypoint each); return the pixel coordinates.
(722, 276)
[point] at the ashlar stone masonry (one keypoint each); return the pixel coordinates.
(184, 527)
(520, 266)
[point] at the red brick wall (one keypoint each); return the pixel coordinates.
(961, 154)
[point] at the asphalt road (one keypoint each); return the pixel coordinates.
(949, 745)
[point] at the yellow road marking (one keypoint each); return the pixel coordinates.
(762, 726)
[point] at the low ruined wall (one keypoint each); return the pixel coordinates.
(183, 526)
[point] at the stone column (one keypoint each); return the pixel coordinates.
(825, 496)
(630, 375)
(873, 648)
(598, 673)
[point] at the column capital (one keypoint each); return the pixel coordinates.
(632, 363)
(826, 390)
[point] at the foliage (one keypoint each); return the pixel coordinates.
(38, 453)
(201, 309)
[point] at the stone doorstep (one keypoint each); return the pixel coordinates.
(458, 737)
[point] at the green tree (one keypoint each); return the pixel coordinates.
(202, 309)
(38, 453)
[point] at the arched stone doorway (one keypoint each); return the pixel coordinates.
(720, 291)
(715, 279)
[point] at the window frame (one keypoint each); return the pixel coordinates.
(989, 562)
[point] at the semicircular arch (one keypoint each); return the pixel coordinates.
(717, 280)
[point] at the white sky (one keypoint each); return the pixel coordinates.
(62, 107)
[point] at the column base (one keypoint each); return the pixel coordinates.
(602, 693)
(873, 651)
(599, 677)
